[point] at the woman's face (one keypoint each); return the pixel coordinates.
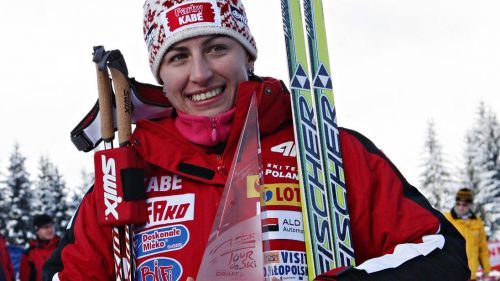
(201, 74)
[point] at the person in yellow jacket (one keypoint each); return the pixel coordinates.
(472, 229)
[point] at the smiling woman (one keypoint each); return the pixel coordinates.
(203, 54)
(201, 76)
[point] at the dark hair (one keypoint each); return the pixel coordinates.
(41, 220)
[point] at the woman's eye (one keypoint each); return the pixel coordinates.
(218, 48)
(177, 57)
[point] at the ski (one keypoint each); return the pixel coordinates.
(328, 131)
(325, 217)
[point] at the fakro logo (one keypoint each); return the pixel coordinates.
(111, 198)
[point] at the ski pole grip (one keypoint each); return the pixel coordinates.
(123, 106)
(104, 92)
(119, 75)
(105, 107)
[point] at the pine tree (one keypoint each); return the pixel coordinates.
(18, 217)
(435, 179)
(49, 194)
(5, 198)
(76, 194)
(482, 169)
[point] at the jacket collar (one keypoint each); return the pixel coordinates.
(457, 217)
(37, 243)
(159, 143)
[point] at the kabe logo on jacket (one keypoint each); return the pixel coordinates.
(286, 149)
(201, 13)
(111, 198)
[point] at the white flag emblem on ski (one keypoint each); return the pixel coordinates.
(323, 79)
(300, 80)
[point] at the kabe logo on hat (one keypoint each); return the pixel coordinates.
(201, 13)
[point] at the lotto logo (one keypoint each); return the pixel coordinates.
(281, 195)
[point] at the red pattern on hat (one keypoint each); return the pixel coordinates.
(232, 23)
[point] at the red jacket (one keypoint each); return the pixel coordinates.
(33, 259)
(6, 267)
(184, 183)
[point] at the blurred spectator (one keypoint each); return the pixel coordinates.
(472, 229)
(39, 250)
(6, 269)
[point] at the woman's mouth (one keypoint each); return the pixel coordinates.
(206, 95)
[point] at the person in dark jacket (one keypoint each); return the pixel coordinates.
(6, 268)
(203, 54)
(40, 249)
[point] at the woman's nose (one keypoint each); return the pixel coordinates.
(201, 71)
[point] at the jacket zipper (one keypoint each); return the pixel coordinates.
(220, 164)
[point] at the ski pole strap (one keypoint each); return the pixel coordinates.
(148, 102)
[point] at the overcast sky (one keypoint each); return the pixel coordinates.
(396, 64)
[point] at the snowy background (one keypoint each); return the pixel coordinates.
(397, 65)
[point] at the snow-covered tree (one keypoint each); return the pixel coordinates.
(76, 193)
(49, 194)
(5, 198)
(482, 168)
(436, 183)
(18, 195)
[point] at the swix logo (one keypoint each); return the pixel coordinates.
(286, 148)
(111, 198)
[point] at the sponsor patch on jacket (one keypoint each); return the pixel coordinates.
(253, 186)
(285, 265)
(281, 171)
(282, 225)
(160, 240)
(159, 269)
(164, 183)
(170, 209)
(197, 13)
(281, 194)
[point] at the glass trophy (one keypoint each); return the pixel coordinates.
(234, 250)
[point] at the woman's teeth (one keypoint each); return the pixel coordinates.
(207, 95)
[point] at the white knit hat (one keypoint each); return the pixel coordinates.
(167, 22)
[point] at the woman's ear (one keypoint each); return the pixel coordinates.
(250, 65)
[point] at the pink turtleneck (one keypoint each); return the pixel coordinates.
(204, 130)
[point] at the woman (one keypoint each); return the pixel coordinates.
(202, 52)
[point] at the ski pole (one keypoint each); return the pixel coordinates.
(107, 133)
(119, 74)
